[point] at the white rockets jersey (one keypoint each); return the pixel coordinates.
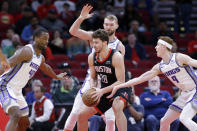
(18, 76)
(112, 45)
(182, 77)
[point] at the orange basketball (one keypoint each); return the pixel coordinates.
(87, 98)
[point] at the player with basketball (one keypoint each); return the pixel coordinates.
(178, 68)
(24, 64)
(110, 25)
(109, 65)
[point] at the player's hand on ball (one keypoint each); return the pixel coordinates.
(113, 91)
(97, 94)
(85, 12)
(87, 98)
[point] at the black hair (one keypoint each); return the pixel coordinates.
(38, 32)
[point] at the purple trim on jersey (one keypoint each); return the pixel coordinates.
(16, 71)
(2, 100)
(169, 60)
(117, 45)
(177, 62)
(84, 84)
(160, 67)
(24, 108)
(114, 40)
(176, 107)
(7, 77)
(10, 95)
(192, 97)
(188, 68)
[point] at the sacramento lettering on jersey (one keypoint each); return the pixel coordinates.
(35, 66)
(172, 72)
(103, 69)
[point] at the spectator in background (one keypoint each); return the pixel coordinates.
(131, 13)
(67, 15)
(192, 47)
(52, 22)
(138, 31)
(7, 45)
(16, 41)
(6, 19)
(161, 30)
(43, 114)
(59, 4)
(57, 44)
(56, 84)
(25, 20)
(65, 94)
(43, 9)
(134, 113)
(30, 97)
(135, 51)
(35, 4)
(27, 33)
(156, 103)
(75, 46)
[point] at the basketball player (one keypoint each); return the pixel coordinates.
(109, 65)
(25, 62)
(178, 68)
(110, 25)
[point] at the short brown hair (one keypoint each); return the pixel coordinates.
(168, 40)
(112, 17)
(101, 34)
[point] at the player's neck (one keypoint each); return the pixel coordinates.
(103, 54)
(112, 38)
(37, 51)
(167, 56)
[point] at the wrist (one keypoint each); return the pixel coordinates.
(81, 18)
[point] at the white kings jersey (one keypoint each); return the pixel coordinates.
(18, 76)
(182, 77)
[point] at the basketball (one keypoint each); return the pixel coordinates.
(87, 98)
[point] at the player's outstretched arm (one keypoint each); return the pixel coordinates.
(138, 80)
(75, 28)
(44, 67)
(186, 60)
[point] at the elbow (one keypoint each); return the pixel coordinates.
(71, 31)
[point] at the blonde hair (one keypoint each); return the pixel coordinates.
(112, 17)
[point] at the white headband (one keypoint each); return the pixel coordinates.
(165, 43)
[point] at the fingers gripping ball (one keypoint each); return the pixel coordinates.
(87, 98)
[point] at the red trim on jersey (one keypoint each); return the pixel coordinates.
(99, 111)
(105, 58)
(123, 99)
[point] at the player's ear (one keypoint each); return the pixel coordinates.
(105, 42)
